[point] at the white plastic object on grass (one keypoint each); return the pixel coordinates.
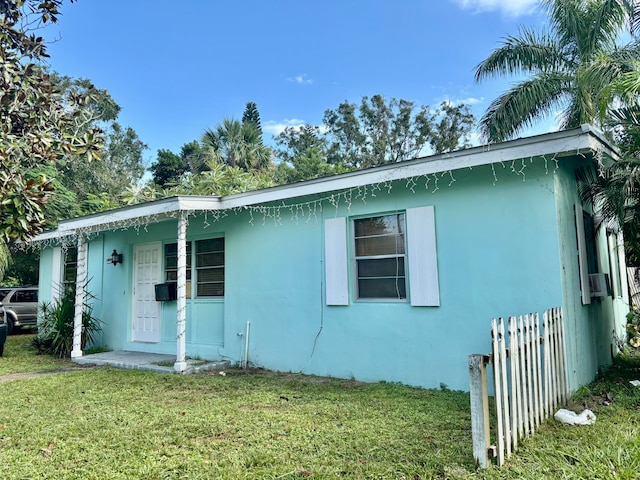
(635, 383)
(587, 417)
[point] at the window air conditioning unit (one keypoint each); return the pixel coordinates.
(599, 285)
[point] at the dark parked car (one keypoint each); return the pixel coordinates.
(20, 306)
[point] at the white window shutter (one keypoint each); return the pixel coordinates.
(423, 257)
(56, 273)
(335, 261)
(582, 257)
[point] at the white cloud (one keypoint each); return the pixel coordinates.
(458, 101)
(277, 127)
(469, 100)
(301, 79)
(511, 8)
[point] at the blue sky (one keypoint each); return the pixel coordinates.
(177, 68)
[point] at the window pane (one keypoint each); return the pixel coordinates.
(370, 246)
(384, 267)
(210, 290)
(210, 259)
(25, 296)
(210, 267)
(70, 266)
(171, 262)
(382, 288)
(211, 275)
(386, 224)
(210, 245)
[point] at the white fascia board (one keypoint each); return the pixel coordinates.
(121, 215)
(158, 209)
(577, 142)
(199, 203)
(49, 235)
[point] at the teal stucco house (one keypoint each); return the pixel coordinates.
(390, 273)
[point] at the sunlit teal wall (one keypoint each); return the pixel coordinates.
(501, 252)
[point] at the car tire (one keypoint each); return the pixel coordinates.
(10, 322)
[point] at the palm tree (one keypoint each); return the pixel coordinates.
(237, 144)
(616, 191)
(566, 67)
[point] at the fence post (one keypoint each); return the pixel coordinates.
(514, 362)
(564, 378)
(478, 390)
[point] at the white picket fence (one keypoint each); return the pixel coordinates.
(529, 381)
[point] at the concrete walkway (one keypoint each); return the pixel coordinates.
(155, 362)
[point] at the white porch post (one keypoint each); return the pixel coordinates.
(81, 277)
(181, 320)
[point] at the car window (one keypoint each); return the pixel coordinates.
(3, 292)
(26, 296)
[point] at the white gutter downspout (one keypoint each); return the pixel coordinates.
(181, 317)
(81, 276)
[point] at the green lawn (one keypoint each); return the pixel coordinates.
(19, 357)
(105, 423)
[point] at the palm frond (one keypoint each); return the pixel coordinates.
(565, 19)
(635, 17)
(517, 108)
(530, 52)
(616, 190)
(607, 19)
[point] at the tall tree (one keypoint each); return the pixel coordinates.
(301, 154)
(566, 67)
(37, 125)
(251, 115)
(168, 168)
(237, 144)
(95, 185)
(295, 141)
(195, 156)
(451, 127)
(380, 131)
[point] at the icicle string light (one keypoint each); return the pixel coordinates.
(309, 210)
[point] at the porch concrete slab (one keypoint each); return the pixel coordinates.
(155, 362)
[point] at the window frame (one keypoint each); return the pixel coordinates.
(422, 256)
(355, 258)
(198, 270)
(615, 272)
(69, 266)
(192, 268)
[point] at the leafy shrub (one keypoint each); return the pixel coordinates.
(55, 329)
(633, 327)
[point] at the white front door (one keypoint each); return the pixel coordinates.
(146, 311)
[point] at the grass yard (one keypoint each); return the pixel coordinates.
(105, 423)
(19, 357)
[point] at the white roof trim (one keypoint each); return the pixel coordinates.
(577, 140)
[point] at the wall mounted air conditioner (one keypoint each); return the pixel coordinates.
(599, 285)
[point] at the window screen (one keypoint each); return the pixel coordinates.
(380, 257)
